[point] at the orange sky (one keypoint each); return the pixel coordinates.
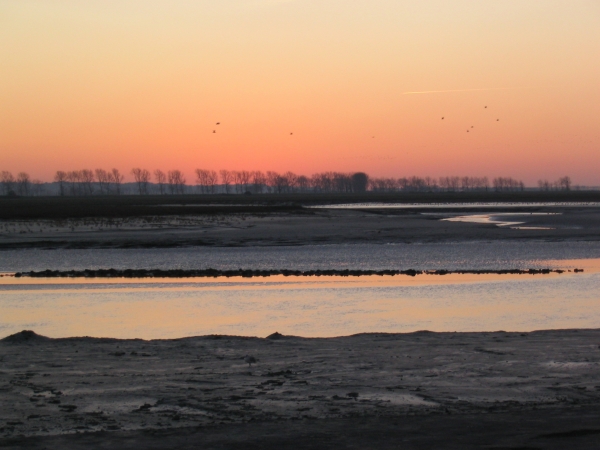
(122, 83)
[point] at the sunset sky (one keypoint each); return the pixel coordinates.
(124, 83)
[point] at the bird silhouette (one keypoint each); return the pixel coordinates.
(214, 131)
(291, 134)
(467, 131)
(218, 123)
(497, 120)
(471, 126)
(485, 107)
(442, 118)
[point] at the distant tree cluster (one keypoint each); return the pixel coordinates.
(173, 182)
(562, 184)
(22, 185)
(447, 184)
(89, 182)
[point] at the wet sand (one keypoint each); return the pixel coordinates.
(323, 226)
(424, 390)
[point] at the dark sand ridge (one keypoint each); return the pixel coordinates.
(424, 390)
(292, 228)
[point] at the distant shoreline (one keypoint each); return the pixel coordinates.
(122, 206)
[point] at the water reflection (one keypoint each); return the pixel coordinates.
(327, 306)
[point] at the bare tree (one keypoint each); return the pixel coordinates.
(161, 179)
(244, 178)
(303, 183)
(176, 182)
(103, 177)
(226, 179)
(8, 182)
(202, 180)
(565, 183)
(272, 180)
(117, 179)
(206, 180)
(23, 183)
(142, 177)
(507, 184)
(87, 180)
(61, 177)
(258, 181)
(73, 178)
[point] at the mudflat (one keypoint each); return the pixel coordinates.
(416, 390)
(301, 227)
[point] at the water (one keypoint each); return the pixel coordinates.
(300, 306)
(326, 306)
(427, 256)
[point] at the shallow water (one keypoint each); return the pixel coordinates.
(449, 256)
(323, 306)
(328, 306)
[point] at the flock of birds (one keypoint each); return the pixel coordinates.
(373, 137)
(485, 107)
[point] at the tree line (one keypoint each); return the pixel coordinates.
(174, 182)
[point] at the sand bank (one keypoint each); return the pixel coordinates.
(291, 228)
(394, 386)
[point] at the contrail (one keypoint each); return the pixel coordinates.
(462, 90)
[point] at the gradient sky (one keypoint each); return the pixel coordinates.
(123, 83)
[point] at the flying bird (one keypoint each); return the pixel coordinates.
(442, 118)
(471, 126)
(497, 120)
(214, 131)
(485, 107)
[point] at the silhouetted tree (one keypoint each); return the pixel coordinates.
(360, 181)
(565, 183)
(161, 179)
(176, 182)
(226, 179)
(8, 182)
(61, 178)
(116, 178)
(87, 181)
(258, 181)
(103, 177)
(23, 183)
(142, 177)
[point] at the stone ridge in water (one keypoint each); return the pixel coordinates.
(214, 273)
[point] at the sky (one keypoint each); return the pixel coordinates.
(303, 85)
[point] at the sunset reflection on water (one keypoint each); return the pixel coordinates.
(305, 306)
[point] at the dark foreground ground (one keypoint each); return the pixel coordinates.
(569, 428)
(423, 390)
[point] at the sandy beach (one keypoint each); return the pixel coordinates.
(505, 390)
